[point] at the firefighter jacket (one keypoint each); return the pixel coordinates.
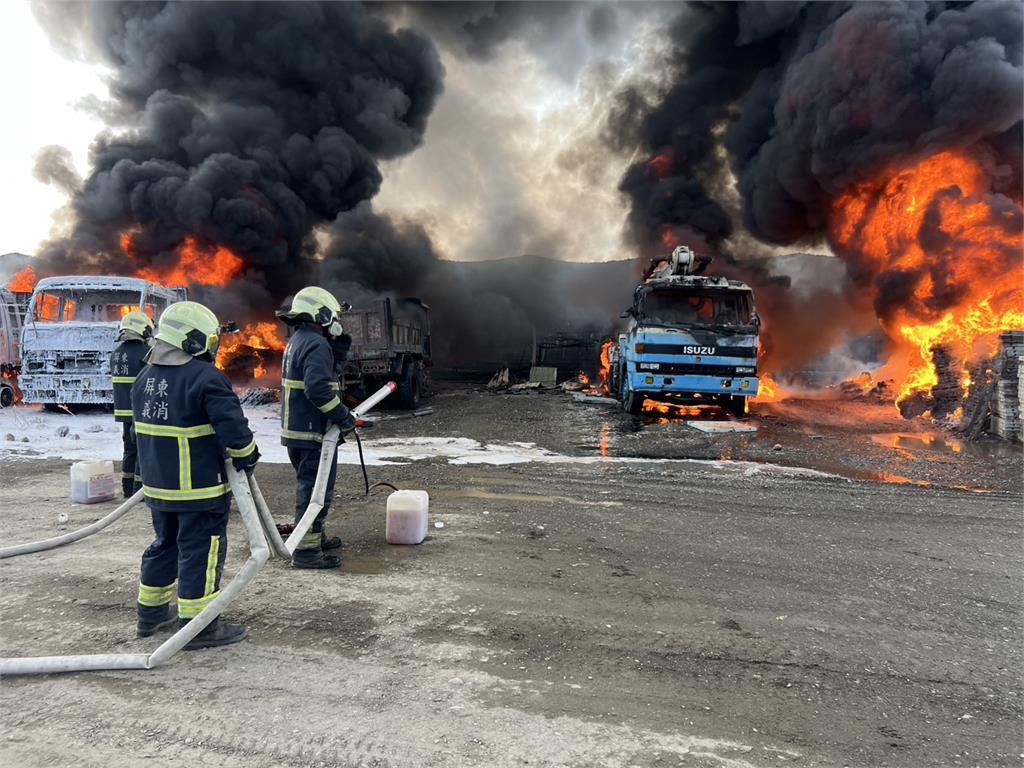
(125, 364)
(187, 419)
(309, 390)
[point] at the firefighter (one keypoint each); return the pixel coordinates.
(310, 403)
(133, 337)
(187, 419)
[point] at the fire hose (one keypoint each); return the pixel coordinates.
(260, 529)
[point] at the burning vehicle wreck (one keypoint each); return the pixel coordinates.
(691, 339)
(69, 334)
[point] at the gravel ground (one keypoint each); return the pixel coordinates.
(615, 613)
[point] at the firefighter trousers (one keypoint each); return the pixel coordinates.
(129, 458)
(189, 547)
(306, 462)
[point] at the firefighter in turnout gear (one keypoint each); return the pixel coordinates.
(187, 420)
(133, 339)
(310, 403)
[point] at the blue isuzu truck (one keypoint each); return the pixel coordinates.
(691, 339)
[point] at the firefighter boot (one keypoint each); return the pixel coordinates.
(215, 634)
(330, 542)
(150, 627)
(314, 559)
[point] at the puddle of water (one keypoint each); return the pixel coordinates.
(924, 441)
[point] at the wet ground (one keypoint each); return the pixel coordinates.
(622, 612)
(856, 439)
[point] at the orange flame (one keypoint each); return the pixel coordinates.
(768, 390)
(24, 281)
(673, 410)
(197, 264)
(865, 382)
(256, 339)
(976, 237)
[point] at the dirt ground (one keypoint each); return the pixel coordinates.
(613, 613)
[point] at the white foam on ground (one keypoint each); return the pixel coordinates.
(105, 443)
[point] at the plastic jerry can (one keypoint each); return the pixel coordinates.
(406, 517)
(92, 481)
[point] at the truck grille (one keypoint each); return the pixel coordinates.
(690, 368)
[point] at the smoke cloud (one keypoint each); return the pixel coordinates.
(245, 125)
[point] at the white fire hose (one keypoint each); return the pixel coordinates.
(259, 527)
(72, 536)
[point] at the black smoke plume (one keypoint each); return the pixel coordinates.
(243, 125)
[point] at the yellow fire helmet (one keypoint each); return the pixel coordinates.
(315, 305)
(136, 322)
(190, 327)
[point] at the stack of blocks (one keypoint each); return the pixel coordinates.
(1009, 386)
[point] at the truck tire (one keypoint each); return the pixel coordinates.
(6, 396)
(632, 402)
(410, 387)
(735, 405)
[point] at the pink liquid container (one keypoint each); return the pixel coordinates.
(92, 481)
(406, 521)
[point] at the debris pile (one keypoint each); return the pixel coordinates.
(1008, 385)
(945, 397)
(261, 396)
(865, 387)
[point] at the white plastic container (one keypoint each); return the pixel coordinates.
(406, 517)
(92, 481)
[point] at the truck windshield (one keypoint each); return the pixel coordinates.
(84, 306)
(677, 307)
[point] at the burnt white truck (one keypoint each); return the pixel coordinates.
(70, 331)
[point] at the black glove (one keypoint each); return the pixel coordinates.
(348, 423)
(247, 463)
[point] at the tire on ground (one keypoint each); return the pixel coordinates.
(410, 386)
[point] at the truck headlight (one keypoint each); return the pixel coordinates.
(648, 380)
(640, 348)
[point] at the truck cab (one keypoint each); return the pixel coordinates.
(691, 339)
(70, 332)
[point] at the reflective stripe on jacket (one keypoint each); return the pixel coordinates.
(310, 397)
(125, 364)
(187, 419)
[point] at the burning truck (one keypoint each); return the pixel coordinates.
(13, 307)
(69, 334)
(691, 340)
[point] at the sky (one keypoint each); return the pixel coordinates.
(533, 176)
(41, 90)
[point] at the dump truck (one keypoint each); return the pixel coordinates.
(390, 342)
(70, 332)
(13, 308)
(691, 339)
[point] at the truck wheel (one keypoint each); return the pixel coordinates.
(6, 396)
(632, 403)
(735, 406)
(411, 385)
